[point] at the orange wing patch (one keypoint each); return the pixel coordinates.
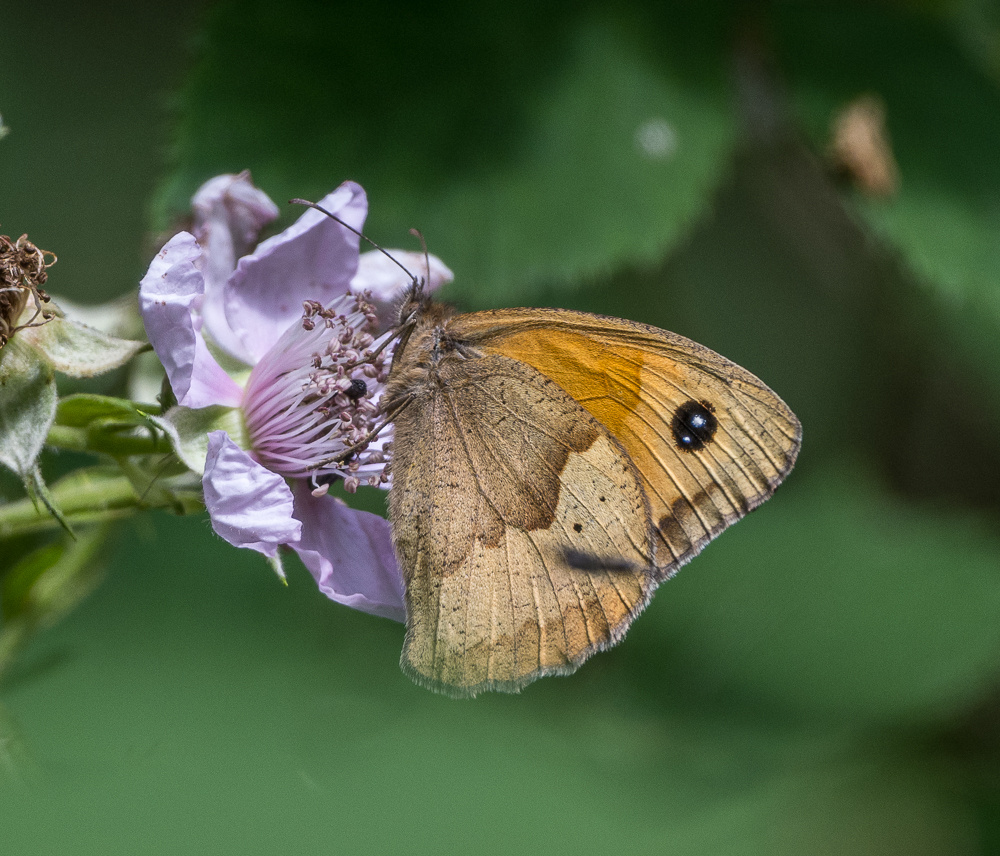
(709, 439)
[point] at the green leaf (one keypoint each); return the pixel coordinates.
(27, 405)
(118, 317)
(78, 350)
(530, 145)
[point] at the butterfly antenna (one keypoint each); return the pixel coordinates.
(427, 255)
(414, 280)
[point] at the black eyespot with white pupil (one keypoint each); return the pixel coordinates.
(694, 425)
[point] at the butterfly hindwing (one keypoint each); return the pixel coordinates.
(522, 528)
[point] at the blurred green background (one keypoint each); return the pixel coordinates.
(823, 679)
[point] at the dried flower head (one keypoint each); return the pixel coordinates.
(23, 271)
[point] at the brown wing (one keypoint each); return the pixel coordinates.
(522, 529)
(710, 441)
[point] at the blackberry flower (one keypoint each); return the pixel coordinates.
(278, 358)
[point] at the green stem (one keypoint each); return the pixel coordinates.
(86, 440)
(91, 499)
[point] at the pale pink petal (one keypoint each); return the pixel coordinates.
(350, 554)
(249, 505)
(314, 259)
(385, 279)
(170, 298)
(229, 213)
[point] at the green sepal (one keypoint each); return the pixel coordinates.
(278, 566)
(164, 482)
(38, 491)
(188, 431)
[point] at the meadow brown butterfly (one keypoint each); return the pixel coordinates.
(550, 468)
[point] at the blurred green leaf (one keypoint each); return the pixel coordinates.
(17, 583)
(836, 600)
(85, 495)
(45, 585)
(943, 115)
(587, 764)
(17, 767)
(528, 143)
(50, 581)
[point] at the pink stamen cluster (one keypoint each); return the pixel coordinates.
(311, 404)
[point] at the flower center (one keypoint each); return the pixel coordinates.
(311, 403)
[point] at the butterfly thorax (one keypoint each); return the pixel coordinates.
(418, 364)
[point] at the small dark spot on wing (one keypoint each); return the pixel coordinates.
(584, 561)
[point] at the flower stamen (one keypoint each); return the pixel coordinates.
(311, 403)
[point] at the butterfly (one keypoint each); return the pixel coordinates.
(550, 468)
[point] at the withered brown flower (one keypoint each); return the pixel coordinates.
(23, 271)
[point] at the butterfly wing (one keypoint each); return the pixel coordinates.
(522, 529)
(710, 441)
